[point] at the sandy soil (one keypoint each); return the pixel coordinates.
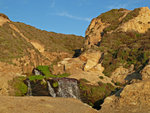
(42, 105)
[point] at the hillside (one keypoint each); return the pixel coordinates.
(110, 70)
(23, 43)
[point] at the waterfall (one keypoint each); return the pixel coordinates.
(29, 93)
(68, 88)
(51, 90)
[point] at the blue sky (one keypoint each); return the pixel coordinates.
(63, 16)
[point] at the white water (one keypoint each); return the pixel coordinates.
(29, 93)
(51, 90)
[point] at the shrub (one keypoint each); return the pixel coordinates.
(20, 89)
(101, 77)
(131, 15)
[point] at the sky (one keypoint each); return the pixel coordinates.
(63, 16)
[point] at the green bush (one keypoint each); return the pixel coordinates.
(131, 15)
(55, 84)
(101, 77)
(20, 89)
(36, 77)
(124, 49)
(93, 93)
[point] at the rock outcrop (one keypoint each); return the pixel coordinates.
(86, 66)
(94, 32)
(136, 20)
(134, 98)
(141, 23)
(3, 19)
(146, 72)
(125, 76)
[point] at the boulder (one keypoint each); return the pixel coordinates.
(146, 73)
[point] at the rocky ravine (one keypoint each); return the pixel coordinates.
(88, 67)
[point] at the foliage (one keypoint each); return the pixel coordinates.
(92, 93)
(14, 46)
(131, 15)
(101, 77)
(20, 89)
(55, 84)
(112, 17)
(124, 49)
(36, 77)
(44, 69)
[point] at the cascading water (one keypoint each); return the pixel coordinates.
(68, 88)
(57, 87)
(51, 90)
(29, 93)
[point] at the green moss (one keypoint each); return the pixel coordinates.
(44, 69)
(36, 77)
(55, 84)
(93, 93)
(20, 89)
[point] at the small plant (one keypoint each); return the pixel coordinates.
(101, 77)
(44, 69)
(55, 84)
(20, 88)
(36, 77)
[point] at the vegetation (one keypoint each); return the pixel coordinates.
(92, 93)
(19, 87)
(44, 69)
(36, 77)
(131, 15)
(53, 42)
(112, 17)
(124, 49)
(14, 46)
(47, 74)
(55, 84)
(101, 77)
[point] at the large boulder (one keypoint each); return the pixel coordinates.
(146, 73)
(134, 98)
(122, 75)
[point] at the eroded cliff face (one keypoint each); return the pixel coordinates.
(141, 23)
(136, 20)
(3, 19)
(94, 32)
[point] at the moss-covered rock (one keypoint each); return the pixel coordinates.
(90, 94)
(18, 86)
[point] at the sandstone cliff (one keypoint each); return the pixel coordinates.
(117, 20)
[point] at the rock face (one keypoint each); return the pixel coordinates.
(134, 98)
(146, 73)
(122, 75)
(43, 104)
(3, 19)
(86, 66)
(139, 23)
(94, 32)
(57, 87)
